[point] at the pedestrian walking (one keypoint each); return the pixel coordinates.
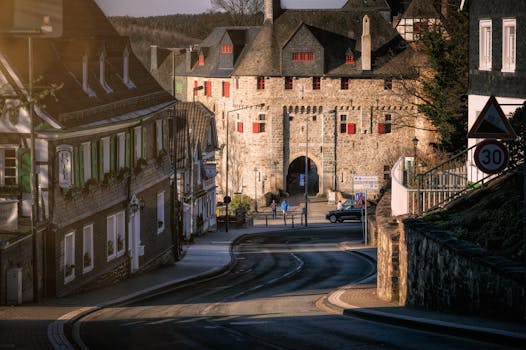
(274, 207)
(284, 209)
(339, 206)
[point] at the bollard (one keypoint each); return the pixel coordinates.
(266, 220)
(292, 220)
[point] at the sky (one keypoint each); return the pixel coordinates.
(145, 8)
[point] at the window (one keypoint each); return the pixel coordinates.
(226, 49)
(344, 84)
(159, 135)
(388, 84)
(316, 83)
(160, 213)
(126, 69)
(208, 88)
(289, 84)
(302, 56)
(485, 43)
(261, 83)
(115, 235)
(201, 60)
(86, 154)
(102, 73)
(239, 126)
(138, 142)
(420, 28)
(349, 58)
(262, 117)
(87, 248)
(343, 117)
(69, 257)
(387, 125)
(121, 142)
(508, 45)
(226, 89)
(8, 167)
(258, 127)
(105, 144)
(343, 128)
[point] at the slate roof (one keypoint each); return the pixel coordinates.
(352, 5)
(421, 9)
(337, 30)
(195, 116)
(59, 61)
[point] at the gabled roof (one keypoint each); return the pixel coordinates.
(60, 62)
(352, 5)
(421, 9)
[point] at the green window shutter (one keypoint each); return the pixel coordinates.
(101, 160)
(94, 165)
(24, 169)
(178, 86)
(76, 167)
(143, 139)
(127, 156)
(112, 154)
(81, 166)
(165, 135)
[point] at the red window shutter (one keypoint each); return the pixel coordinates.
(226, 49)
(226, 89)
(351, 128)
(201, 60)
(239, 126)
(381, 128)
(196, 84)
(208, 88)
(255, 128)
(261, 83)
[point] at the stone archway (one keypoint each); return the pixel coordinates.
(296, 169)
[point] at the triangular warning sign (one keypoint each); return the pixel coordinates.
(492, 123)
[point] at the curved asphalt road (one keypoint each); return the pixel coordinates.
(271, 299)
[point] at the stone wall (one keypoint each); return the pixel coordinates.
(421, 266)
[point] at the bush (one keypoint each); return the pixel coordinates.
(240, 201)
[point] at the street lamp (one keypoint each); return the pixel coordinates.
(227, 198)
(415, 144)
(255, 189)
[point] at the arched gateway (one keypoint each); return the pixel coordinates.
(295, 177)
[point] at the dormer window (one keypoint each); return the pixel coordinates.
(201, 61)
(126, 69)
(226, 49)
(102, 72)
(85, 74)
(302, 56)
(349, 57)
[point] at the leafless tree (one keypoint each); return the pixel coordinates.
(243, 12)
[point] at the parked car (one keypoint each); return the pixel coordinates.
(347, 212)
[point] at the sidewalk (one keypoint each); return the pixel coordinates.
(42, 326)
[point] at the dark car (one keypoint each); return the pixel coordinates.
(347, 212)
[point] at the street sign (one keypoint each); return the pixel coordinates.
(366, 186)
(491, 156)
(227, 199)
(366, 178)
(492, 123)
(37, 17)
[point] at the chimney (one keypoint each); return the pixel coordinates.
(153, 58)
(272, 10)
(191, 58)
(366, 44)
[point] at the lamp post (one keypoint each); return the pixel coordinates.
(255, 189)
(415, 144)
(306, 184)
(227, 198)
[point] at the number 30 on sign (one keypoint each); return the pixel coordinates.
(491, 156)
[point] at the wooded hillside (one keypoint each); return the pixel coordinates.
(172, 30)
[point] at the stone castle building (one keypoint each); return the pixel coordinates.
(334, 84)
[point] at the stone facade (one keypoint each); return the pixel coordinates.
(339, 76)
(424, 267)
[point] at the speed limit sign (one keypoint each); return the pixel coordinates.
(491, 156)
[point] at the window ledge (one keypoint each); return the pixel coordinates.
(508, 70)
